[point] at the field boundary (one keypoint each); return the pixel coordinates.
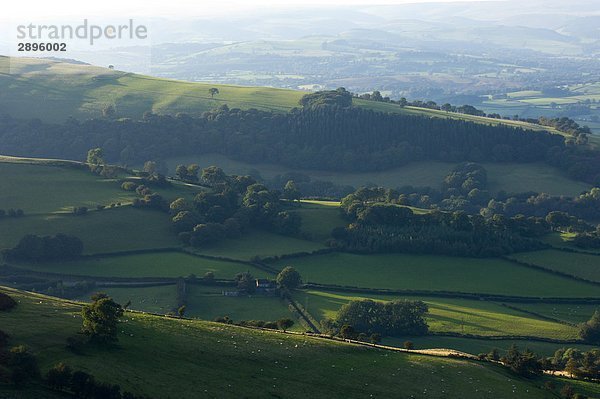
(548, 270)
(450, 294)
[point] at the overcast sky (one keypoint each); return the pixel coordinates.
(39, 9)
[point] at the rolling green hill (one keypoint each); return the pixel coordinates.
(228, 361)
(53, 91)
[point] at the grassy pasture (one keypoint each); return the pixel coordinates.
(237, 362)
(163, 264)
(450, 315)
(209, 303)
(43, 189)
(576, 264)
(570, 313)
(476, 346)
(436, 273)
(160, 299)
(320, 218)
(259, 243)
(510, 177)
(110, 230)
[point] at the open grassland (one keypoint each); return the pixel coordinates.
(238, 362)
(259, 243)
(510, 177)
(110, 230)
(569, 313)
(53, 91)
(476, 346)
(38, 188)
(209, 303)
(450, 315)
(576, 264)
(160, 299)
(161, 264)
(320, 218)
(436, 273)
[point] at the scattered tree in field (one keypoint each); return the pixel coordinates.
(285, 324)
(289, 278)
(590, 330)
(6, 302)
(22, 364)
(246, 282)
(291, 192)
(100, 319)
(213, 91)
(59, 376)
(95, 159)
(181, 311)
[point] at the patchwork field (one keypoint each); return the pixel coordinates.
(209, 303)
(159, 299)
(576, 264)
(509, 177)
(569, 313)
(253, 361)
(436, 273)
(161, 264)
(45, 189)
(320, 218)
(259, 243)
(450, 315)
(110, 230)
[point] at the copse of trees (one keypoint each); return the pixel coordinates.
(590, 330)
(45, 248)
(324, 134)
(400, 317)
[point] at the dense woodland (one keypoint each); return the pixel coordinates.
(326, 133)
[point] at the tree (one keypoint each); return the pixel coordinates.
(285, 324)
(100, 319)
(213, 91)
(246, 282)
(291, 192)
(181, 311)
(590, 330)
(95, 159)
(22, 364)
(289, 278)
(108, 111)
(213, 175)
(408, 345)
(59, 376)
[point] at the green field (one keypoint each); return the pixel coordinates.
(510, 177)
(450, 315)
(43, 189)
(476, 346)
(319, 219)
(576, 264)
(259, 243)
(238, 362)
(209, 303)
(160, 299)
(569, 313)
(110, 230)
(161, 264)
(436, 273)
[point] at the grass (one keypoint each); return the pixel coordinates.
(163, 264)
(209, 303)
(110, 230)
(450, 315)
(237, 362)
(476, 346)
(259, 243)
(570, 313)
(576, 264)
(510, 177)
(159, 299)
(320, 218)
(436, 273)
(44, 189)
